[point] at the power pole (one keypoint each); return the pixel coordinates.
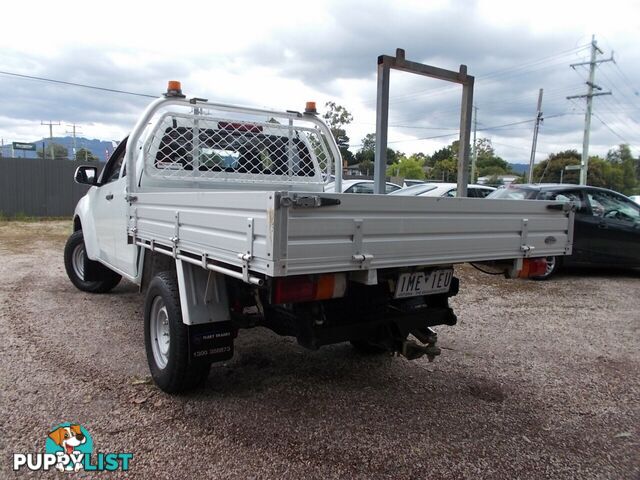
(51, 124)
(539, 120)
(593, 62)
(73, 132)
(474, 159)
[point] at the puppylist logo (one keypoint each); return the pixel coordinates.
(69, 448)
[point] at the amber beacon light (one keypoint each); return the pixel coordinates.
(310, 107)
(174, 89)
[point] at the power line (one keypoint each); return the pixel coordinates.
(512, 71)
(452, 129)
(611, 129)
(626, 79)
(494, 127)
(72, 84)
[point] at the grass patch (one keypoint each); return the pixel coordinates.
(23, 217)
(20, 236)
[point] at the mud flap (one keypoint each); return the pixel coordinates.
(210, 342)
(93, 271)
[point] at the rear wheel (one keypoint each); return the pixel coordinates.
(76, 264)
(166, 338)
(553, 264)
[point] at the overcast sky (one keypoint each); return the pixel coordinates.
(281, 54)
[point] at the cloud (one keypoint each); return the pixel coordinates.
(281, 55)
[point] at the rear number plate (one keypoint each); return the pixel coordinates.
(423, 283)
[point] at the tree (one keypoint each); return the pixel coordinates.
(369, 142)
(60, 152)
(365, 167)
(84, 155)
(421, 157)
(406, 168)
(620, 154)
(549, 170)
(445, 169)
(487, 162)
(623, 158)
(492, 165)
(616, 171)
(367, 152)
(365, 156)
(484, 148)
(443, 154)
(337, 117)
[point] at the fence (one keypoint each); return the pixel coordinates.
(38, 187)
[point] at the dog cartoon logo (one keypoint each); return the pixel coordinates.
(70, 443)
(69, 448)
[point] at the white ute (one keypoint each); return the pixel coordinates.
(219, 214)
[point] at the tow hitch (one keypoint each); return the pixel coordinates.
(413, 350)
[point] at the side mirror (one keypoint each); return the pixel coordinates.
(86, 175)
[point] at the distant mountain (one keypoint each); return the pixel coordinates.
(519, 168)
(100, 148)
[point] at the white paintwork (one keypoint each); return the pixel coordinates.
(438, 189)
(394, 231)
(243, 230)
(104, 226)
(347, 184)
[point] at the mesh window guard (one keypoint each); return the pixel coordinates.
(200, 146)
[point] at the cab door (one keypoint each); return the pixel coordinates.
(102, 207)
(110, 215)
(616, 237)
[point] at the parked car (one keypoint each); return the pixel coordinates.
(359, 186)
(635, 198)
(409, 182)
(607, 224)
(443, 190)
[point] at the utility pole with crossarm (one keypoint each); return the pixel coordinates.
(593, 62)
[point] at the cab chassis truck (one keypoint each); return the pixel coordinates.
(218, 213)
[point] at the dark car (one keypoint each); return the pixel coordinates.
(606, 229)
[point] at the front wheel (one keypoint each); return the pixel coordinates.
(166, 338)
(76, 264)
(553, 264)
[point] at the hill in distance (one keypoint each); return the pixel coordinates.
(519, 168)
(99, 148)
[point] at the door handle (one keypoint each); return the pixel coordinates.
(601, 225)
(109, 196)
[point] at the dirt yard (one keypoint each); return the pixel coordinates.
(537, 380)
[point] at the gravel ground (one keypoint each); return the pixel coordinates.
(537, 380)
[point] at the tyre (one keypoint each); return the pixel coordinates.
(366, 347)
(166, 338)
(553, 264)
(76, 262)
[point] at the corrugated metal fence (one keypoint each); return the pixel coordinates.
(38, 187)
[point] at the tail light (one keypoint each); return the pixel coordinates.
(307, 288)
(533, 267)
